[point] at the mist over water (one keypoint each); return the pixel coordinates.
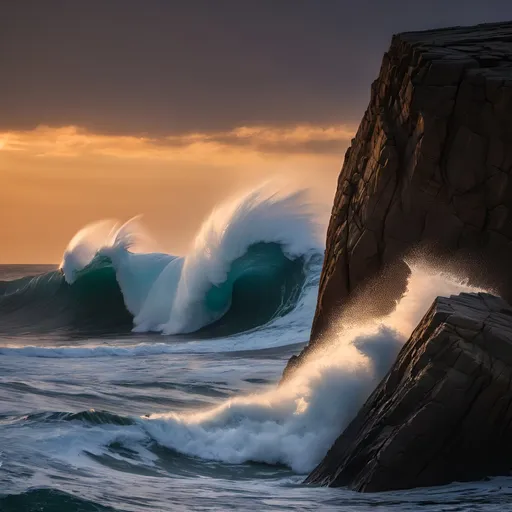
(98, 409)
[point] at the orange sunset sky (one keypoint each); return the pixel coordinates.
(58, 179)
(113, 109)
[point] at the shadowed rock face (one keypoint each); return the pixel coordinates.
(444, 411)
(430, 167)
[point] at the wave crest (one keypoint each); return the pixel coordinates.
(250, 257)
(297, 423)
(256, 235)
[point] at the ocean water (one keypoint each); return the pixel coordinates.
(140, 381)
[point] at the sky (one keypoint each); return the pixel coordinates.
(112, 108)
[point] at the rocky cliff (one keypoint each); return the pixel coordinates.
(430, 167)
(444, 411)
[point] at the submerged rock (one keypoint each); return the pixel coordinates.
(444, 411)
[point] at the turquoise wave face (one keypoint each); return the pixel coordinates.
(93, 304)
(260, 285)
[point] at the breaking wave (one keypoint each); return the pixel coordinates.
(250, 263)
(293, 424)
(298, 422)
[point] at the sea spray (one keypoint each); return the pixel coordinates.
(259, 217)
(252, 262)
(84, 245)
(106, 238)
(296, 423)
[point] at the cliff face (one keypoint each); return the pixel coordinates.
(430, 166)
(444, 411)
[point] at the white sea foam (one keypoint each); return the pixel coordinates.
(83, 247)
(166, 293)
(296, 423)
(290, 329)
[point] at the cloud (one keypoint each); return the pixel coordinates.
(67, 176)
(161, 67)
(222, 146)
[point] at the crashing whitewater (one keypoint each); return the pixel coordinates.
(256, 251)
(254, 260)
(297, 423)
(307, 411)
(257, 240)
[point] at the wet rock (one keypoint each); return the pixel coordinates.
(444, 411)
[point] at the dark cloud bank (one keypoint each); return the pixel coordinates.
(163, 66)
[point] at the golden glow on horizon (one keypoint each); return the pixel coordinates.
(57, 179)
(72, 141)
